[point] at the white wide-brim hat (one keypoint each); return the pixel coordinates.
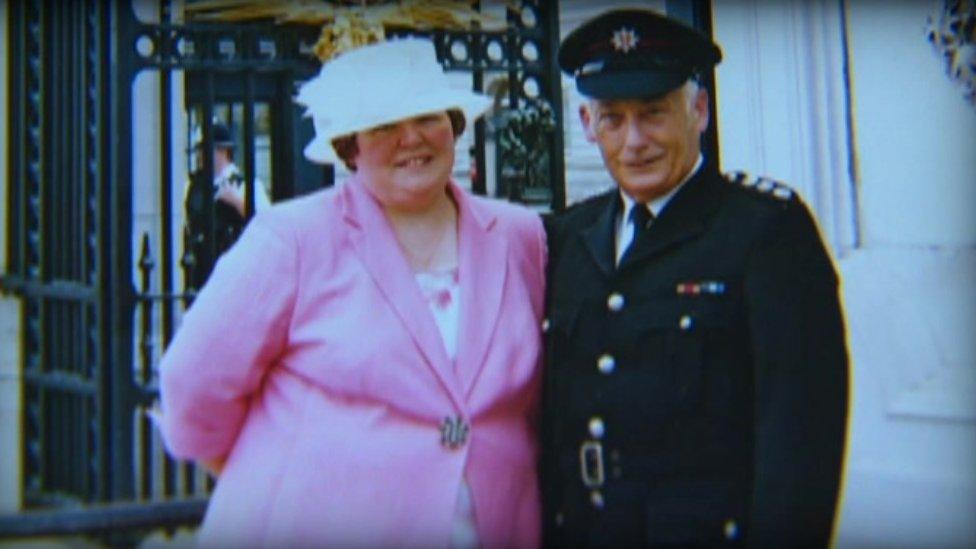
(379, 84)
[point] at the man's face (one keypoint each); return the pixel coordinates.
(648, 145)
(221, 159)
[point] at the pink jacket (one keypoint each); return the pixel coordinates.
(312, 361)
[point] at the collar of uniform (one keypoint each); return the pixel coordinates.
(660, 202)
(656, 205)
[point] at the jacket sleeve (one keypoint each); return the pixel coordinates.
(235, 330)
(801, 383)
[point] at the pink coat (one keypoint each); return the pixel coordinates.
(312, 361)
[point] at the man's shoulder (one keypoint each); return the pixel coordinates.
(757, 191)
(765, 206)
(752, 200)
(580, 214)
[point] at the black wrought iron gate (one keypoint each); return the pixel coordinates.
(60, 242)
(99, 148)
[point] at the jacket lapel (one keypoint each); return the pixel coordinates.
(599, 236)
(483, 267)
(375, 244)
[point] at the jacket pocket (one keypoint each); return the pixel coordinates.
(675, 334)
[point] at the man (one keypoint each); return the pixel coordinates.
(696, 385)
(222, 202)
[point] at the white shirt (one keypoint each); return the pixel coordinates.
(261, 200)
(626, 230)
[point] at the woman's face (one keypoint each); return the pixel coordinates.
(406, 164)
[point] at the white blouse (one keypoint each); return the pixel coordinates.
(442, 292)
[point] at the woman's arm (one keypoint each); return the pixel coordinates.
(234, 331)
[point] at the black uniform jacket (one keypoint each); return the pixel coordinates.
(698, 392)
(212, 226)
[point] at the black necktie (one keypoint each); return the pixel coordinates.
(641, 217)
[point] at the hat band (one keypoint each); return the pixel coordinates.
(656, 62)
(630, 84)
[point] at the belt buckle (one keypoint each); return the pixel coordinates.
(591, 464)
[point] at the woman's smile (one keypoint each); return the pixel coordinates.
(414, 161)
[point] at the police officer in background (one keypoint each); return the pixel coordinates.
(221, 202)
(696, 388)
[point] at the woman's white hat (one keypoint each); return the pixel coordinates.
(379, 84)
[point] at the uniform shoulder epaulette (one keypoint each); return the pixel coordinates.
(760, 184)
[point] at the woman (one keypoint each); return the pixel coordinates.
(363, 363)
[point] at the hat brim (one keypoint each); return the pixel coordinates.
(472, 105)
(634, 84)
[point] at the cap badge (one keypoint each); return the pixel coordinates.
(625, 39)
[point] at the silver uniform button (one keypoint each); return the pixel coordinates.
(606, 364)
(545, 325)
(615, 302)
(686, 322)
(596, 427)
(596, 498)
(730, 529)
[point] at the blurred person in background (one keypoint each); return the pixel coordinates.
(222, 202)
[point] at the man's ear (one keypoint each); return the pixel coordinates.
(586, 119)
(701, 109)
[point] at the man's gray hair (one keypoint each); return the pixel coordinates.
(691, 88)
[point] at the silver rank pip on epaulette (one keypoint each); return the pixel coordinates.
(764, 185)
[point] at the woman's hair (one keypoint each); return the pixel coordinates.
(346, 148)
